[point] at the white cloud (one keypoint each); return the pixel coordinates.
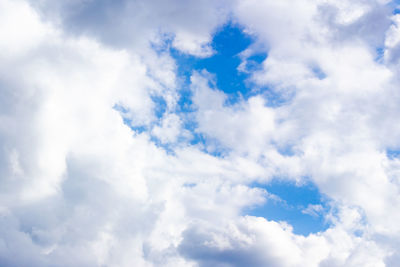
(170, 129)
(245, 127)
(313, 210)
(79, 187)
(132, 24)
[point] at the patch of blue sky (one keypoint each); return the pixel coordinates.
(254, 61)
(318, 72)
(393, 153)
(286, 150)
(380, 51)
(395, 5)
(302, 206)
(160, 106)
(227, 43)
(185, 100)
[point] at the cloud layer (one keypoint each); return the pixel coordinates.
(102, 165)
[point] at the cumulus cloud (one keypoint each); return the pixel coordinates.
(101, 166)
(131, 24)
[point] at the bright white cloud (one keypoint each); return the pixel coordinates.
(91, 175)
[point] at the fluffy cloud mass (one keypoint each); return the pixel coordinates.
(111, 155)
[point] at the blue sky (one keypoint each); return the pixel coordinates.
(291, 204)
(228, 42)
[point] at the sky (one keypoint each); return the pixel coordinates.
(200, 133)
